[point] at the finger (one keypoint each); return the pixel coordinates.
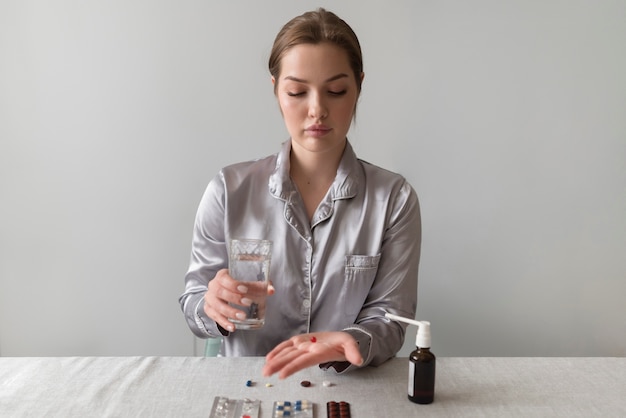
(224, 287)
(222, 307)
(226, 324)
(290, 361)
(278, 349)
(222, 290)
(352, 353)
(297, 353)
(302, 361)
(295, 341)
(309, 354)
(280, 360)
(219, 318)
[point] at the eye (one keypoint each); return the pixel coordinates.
(295, 94)
(337, 93)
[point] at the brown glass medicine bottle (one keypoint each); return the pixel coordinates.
(422, 376)
(422, 363)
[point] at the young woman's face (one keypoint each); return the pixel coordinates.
(317, 95)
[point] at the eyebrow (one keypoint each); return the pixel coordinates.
(333, 78)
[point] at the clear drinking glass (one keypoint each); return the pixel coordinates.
(249, 262)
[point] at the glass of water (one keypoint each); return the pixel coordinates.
(249, 262)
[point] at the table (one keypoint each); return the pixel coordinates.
(186, 386)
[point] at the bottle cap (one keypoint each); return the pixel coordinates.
(422, 340)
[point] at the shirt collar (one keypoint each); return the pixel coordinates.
(346, 183)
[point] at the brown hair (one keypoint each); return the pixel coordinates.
(315, 27)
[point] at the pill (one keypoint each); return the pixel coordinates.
(268, 385)
(249, 383)
(305, 383)
(326, 384)
(313, 339)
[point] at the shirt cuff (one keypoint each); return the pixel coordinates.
(364, 339)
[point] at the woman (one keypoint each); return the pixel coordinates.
(346, 234)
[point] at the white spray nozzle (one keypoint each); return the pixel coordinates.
(422, 338)
(403, 319)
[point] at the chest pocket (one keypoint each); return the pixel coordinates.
(360, 271)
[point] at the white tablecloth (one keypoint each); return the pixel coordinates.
(186, 387)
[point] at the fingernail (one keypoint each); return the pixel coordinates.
(243, 289)
(246, 301)
(240, 315)
(230, 328)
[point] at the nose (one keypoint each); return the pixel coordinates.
(317, 107)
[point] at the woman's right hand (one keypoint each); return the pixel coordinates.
(222, 290)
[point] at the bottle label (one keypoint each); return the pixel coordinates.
(411, 377)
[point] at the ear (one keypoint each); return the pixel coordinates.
(360, 85)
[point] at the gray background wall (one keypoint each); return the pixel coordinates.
(508, 117)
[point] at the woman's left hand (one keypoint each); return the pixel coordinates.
(308, 350)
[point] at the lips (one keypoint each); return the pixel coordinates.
(317, 131)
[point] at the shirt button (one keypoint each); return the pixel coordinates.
(306, 303)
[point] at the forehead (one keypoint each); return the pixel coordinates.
(315, 62)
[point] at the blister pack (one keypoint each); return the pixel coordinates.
(224, 407)
(298, 409)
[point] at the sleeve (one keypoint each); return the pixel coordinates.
(208, 256)
(395, 287)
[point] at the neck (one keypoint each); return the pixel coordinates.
(314, 168)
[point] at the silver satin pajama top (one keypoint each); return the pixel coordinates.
(355, 260)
